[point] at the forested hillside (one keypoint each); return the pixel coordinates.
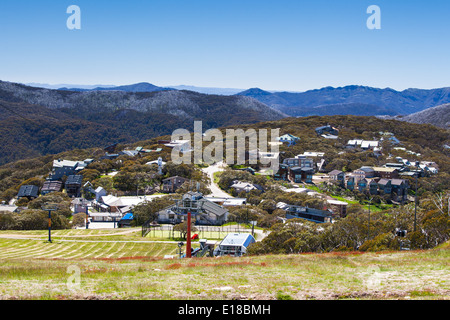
(36, 121)
(427, 140)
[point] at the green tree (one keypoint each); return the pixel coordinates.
(182, 228)
(148, 210)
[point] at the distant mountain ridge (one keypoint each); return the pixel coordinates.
(138, 87)
(209, 90)
(395, 102)
(348, 100)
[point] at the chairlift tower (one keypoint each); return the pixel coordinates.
(415, 198)
(188, 238)
(50, 207)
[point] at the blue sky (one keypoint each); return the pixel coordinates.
(274, 45)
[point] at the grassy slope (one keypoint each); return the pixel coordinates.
(112, 269)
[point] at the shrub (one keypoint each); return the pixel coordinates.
(79, 220)
(382, 242)
(8, 221)
(32, 220)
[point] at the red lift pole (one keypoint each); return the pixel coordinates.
(188, 243)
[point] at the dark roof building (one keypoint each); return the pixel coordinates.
(73, 185)
(28, 191)
(202, 210)
(282, 173)
(300, 161)
(327, 130)
(51, 186)
(310, 214)
(385, 185)
(172, 184)
(74, 179)
(299, 174)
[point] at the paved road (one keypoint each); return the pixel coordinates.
(215, 190)
(219, 193)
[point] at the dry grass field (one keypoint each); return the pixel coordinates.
(119, 264)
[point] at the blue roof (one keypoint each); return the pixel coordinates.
(128, 216)
(238, 239)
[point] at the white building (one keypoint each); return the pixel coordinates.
(240, 186)
(311, 154)
(100, 192)
(180, 145)
(228, 202)
(363, 144)
(288, 138)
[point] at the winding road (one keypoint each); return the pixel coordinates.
(215, 190)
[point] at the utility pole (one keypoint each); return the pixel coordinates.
(368, 225)
(87, 217)
(415, 206)
(50, 208)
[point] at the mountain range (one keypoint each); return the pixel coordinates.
(356, 100)
(38, 121)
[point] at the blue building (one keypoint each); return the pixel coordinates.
(234, 244)
(126, 220)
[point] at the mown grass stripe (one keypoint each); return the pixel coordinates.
(58, 254)
(22, 252)
(42, 250)
(117, 251)
(100, 248)
(11, 248)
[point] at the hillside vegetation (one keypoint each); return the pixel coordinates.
(427, 140)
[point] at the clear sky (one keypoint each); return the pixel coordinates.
(291, 45)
